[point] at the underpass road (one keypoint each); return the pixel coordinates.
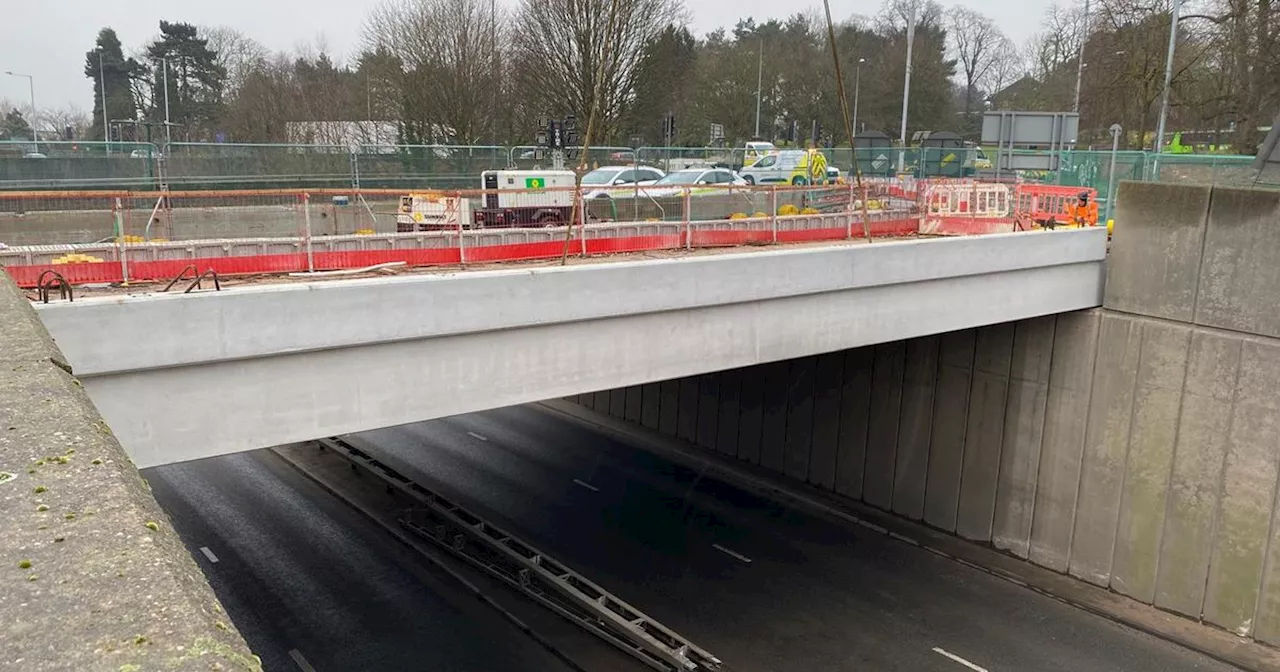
(313, 585)
(762, 586)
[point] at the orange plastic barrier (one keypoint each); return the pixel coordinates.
(1046, 204)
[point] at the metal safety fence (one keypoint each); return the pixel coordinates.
(121, 237)
(228, 166)
(114, 237)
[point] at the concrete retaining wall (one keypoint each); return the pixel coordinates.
(92, 575)
(1136, 447)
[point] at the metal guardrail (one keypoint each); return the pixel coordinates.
(547, 581)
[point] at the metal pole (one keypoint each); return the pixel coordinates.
(1084, 37)
(167, 137)
(857, 85)
(1168, 76)
(102, 85)
(906, 87)
(306, 218)
(121, 249)
(759, 84)
(35, 118)
(1116, 129)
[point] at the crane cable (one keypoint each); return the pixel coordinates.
(848, 125)
(579, 208)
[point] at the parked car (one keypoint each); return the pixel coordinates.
(618, 176)
(707, 178)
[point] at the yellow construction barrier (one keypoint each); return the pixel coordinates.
(76, 258)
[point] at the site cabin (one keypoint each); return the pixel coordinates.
(512, 198)
(525, 198)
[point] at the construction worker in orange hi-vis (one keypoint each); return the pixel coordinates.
(1084, 212)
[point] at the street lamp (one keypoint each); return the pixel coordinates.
(102, 87)
(759, 82)
(1168, 76)
(857, 83)
(906, 86)
(31, 84)
(1084, 37)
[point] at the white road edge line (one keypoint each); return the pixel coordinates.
(588, 486)
(476, 436)
(958, 659)
(735, 554)
(209, 554)
(296, 655)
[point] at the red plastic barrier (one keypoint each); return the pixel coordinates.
(293, 262)
(1042, 203)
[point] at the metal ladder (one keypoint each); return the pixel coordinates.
(547, 581)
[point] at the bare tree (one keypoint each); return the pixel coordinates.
(449, 50)
(1008, 67)
(69, 117)
(562, 47)
(237, 54)
(978, 45)
(1058, 41)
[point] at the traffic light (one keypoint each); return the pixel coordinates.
(557, 135)
(669, 127)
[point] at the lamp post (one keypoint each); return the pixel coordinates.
(906, 87)
(1168, 76)
(857, 84)
(759, 83)
(1084, 37)
(102, 87)
(31, 85)
(1116, 130)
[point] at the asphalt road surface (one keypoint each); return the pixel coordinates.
(763, 587)
(314, 585)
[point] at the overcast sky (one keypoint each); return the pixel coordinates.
(49, 39)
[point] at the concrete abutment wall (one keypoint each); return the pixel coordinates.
(1136, 447)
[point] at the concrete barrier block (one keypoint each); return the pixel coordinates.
(889, 361)
(669, 410)
(984, 432)
(708, 409)
(773, 434)
(1106, 441)
(799, 439)
(618, 402)
(602, 401)
(855, 409)
(727, 427)
(915, 425)
(1154, 265)
(634, 403)
(1066, 417)
(1213, 363)
(1248, 497)
(1023, 434)
(687, 422)
(751, 414)
(1157, 401)
(650, 404)
(826, 420)
(950, 417)
(1240, 275)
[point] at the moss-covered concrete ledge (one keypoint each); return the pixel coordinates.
(92, 575)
